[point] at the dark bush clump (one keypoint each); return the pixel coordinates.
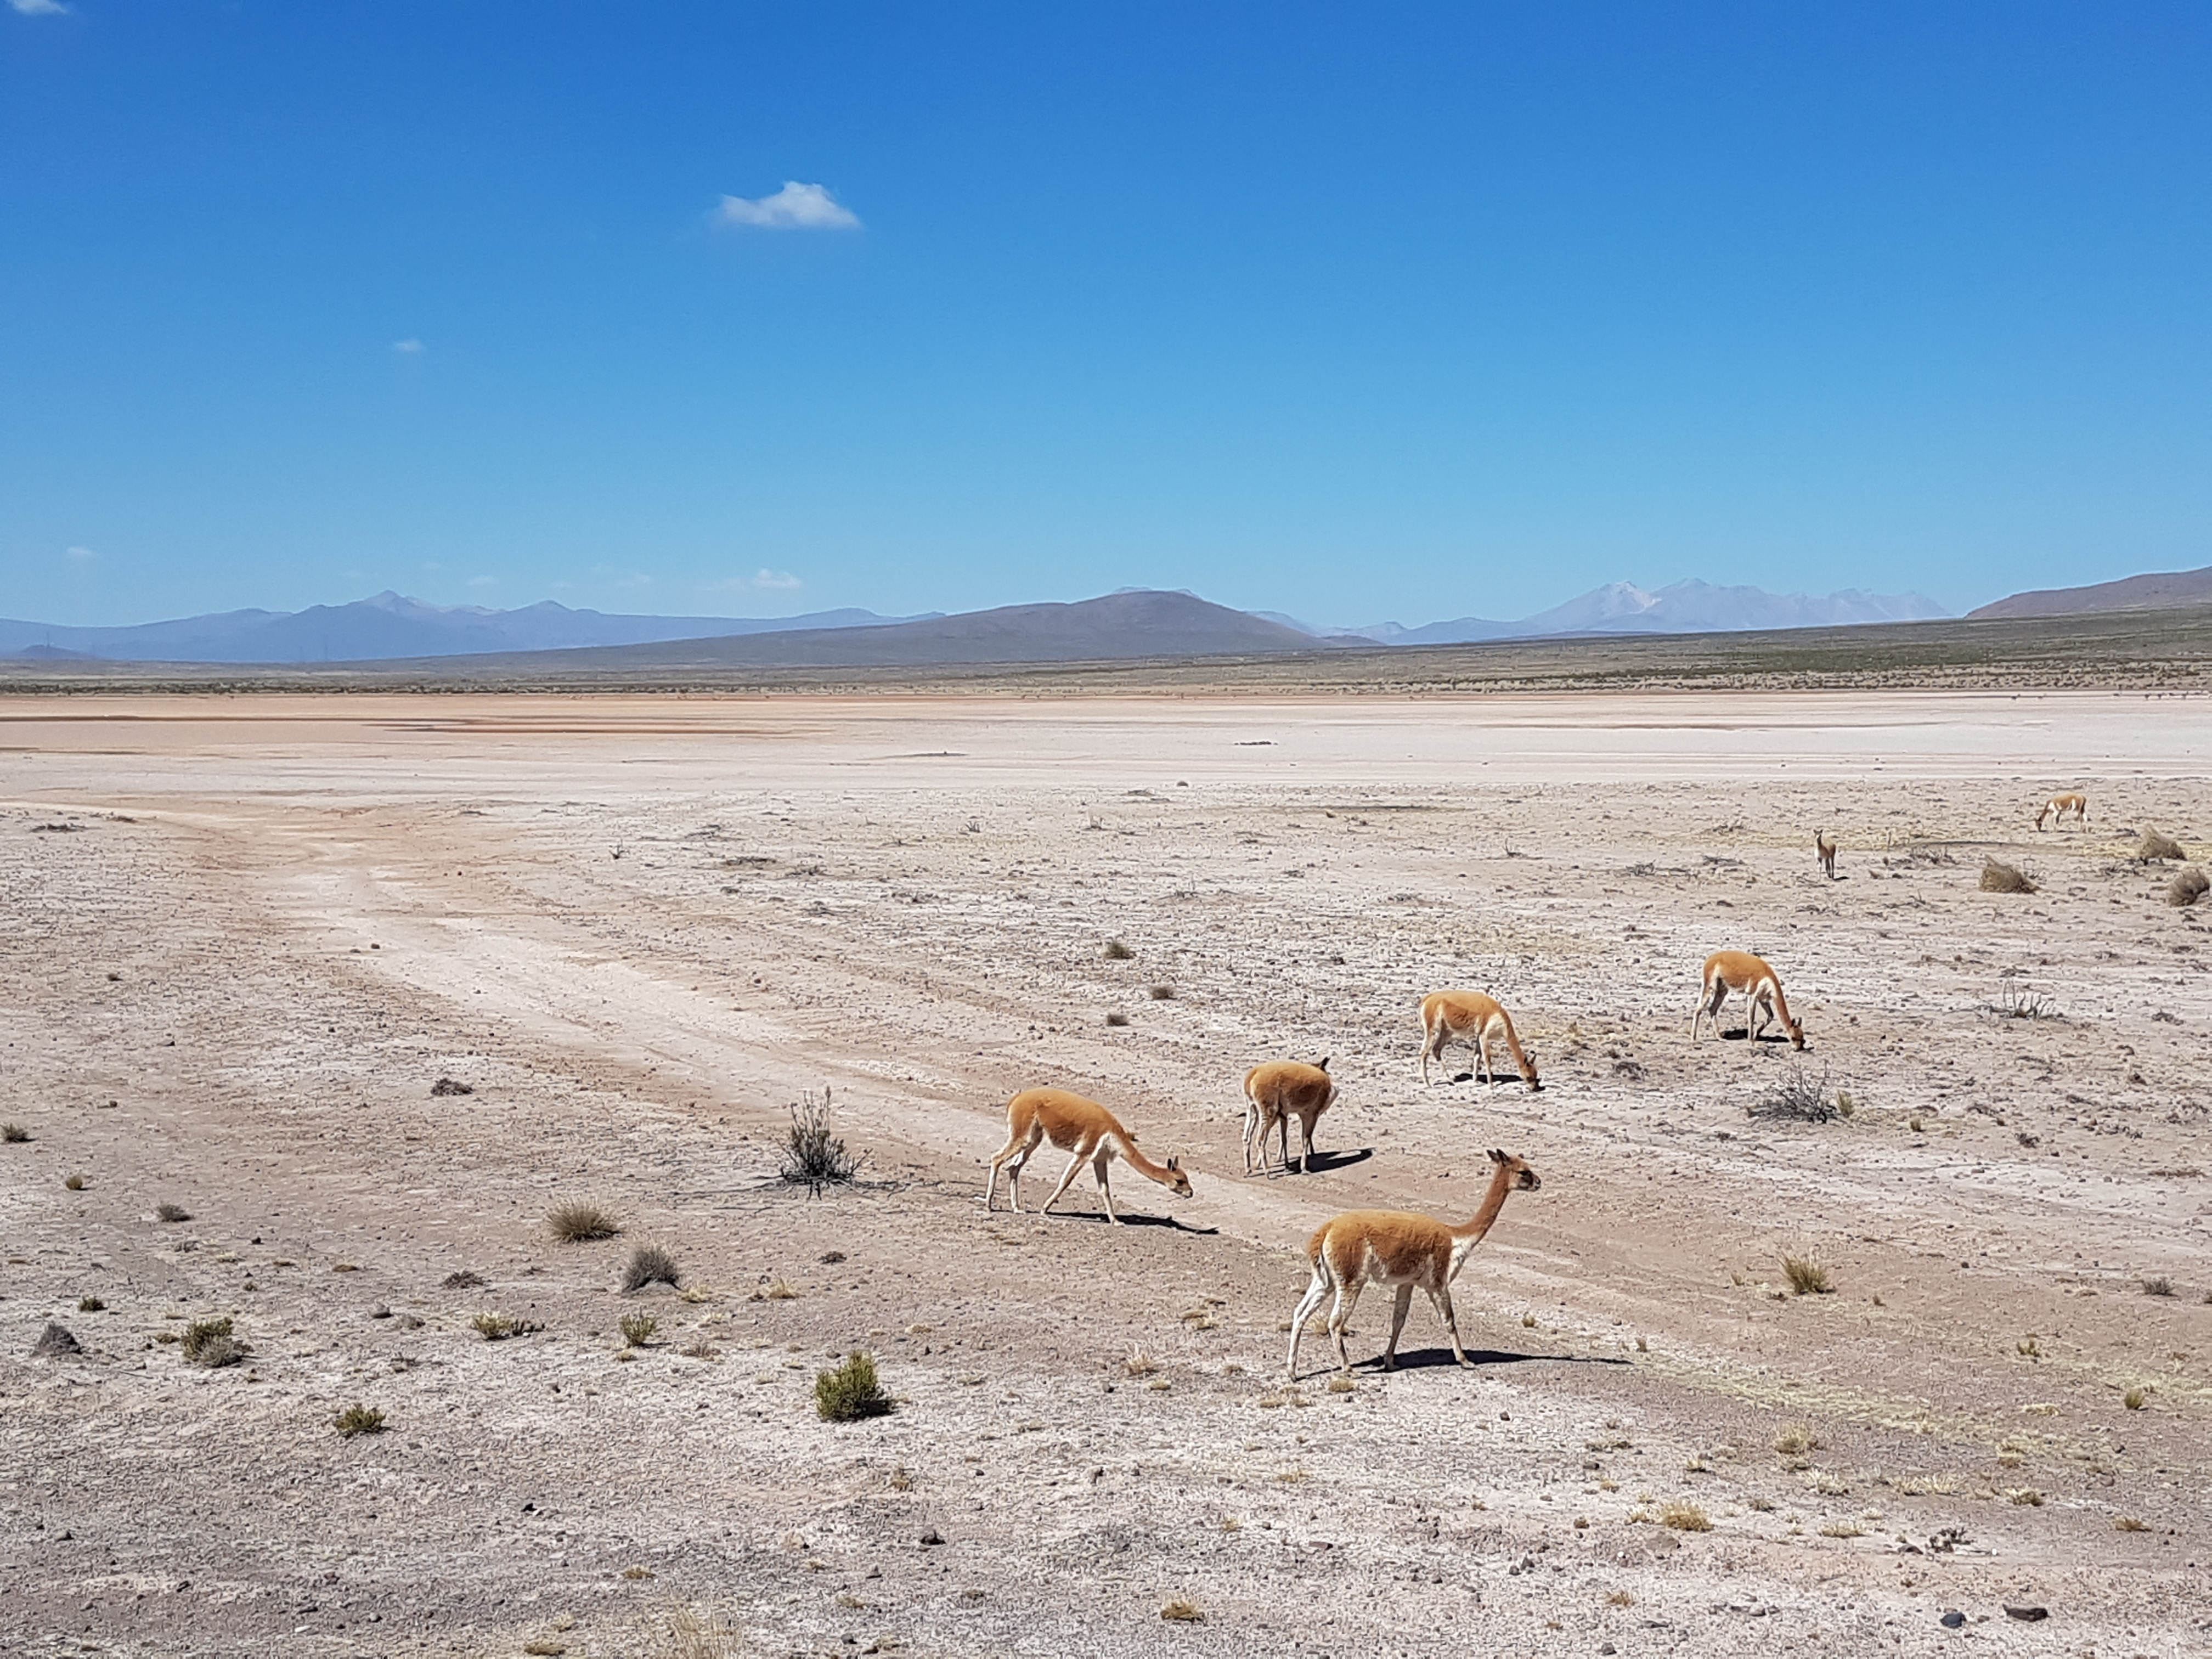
(466, 1280)
(13, 1133)
(649, 1264)
(2154, 846)
(360, 1419)
(812, 1157)
(447, 1086)
(172, 1212)
(1798, 1099)
(1117, 951)
(850, 1392)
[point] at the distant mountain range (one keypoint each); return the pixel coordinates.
(1132, 623)
(2149, 593)
(1688, 607)
(1117, 628)
(388, 626)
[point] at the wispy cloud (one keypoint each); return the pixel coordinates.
(78, 555)
(781, 581)
(795, 207)
(484, 582)
(39, 8)
(408, 348)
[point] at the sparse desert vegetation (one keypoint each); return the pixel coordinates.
(359, 1419)
(812, 1157)
(650, 1264)
(633, 1030)
(1998, 876)
(1807, 1276)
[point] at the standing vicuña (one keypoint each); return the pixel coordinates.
(1471, 1016)
(1276, 1092)
(1082, 1127)
(1825, 845)
(1405, 1251)
(2060, 805)
(1739, 970)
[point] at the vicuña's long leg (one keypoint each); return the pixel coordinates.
(1403, 1301)
(1105, 1187)
(1347, 1298)
(1442, 1302)
(1074, 1164)
(1307, 1304)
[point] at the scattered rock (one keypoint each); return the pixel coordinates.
(2027, 1615)
(54, 1342)
(467, 1280)
(1953, 1620)
(445, 1085)
(932, 1536)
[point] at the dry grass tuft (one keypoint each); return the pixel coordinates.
(2001, 877)
(13, 1134)
(1683, 1515)
(498, 1327)
(172, 1212)
(2185, 889)
(209, 1342)
(850, 1392)
(637, 1329)
(544, 1647)
(693, 1638)
(76, 1183)
(1182, 1611)
(2155, 846)
(812, 1157)
(1139, 1363)
(1160, 992)
(360, 1419)
(1117, 1019)
(466, 1280)
(649, 1264)
(2026, 1497)
(91, 1304)
(2136, 1398)
(1117, 951)
(579, 1224)
(1620, 1599)
(2128, 1524)
(1807, 1277)
(1795, 1439)
(2159, 1286)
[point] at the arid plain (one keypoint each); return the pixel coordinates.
(246, 936)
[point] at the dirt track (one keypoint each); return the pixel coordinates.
(639, 928)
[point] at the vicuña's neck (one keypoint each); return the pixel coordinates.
(1144, 1166)
(1501, 1182)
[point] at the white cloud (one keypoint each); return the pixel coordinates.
(410, 347)
(484, 582)
(39, 8)
(782, 580)
(80, 554)
(795, 207)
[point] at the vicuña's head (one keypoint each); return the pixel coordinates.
(1523, 1179)
(1528, 1077)
(1178, 1182)
(1796, 1029)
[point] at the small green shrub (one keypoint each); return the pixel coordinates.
(497, 1327)
(637, 1329)
(850, 1392)
(209, 1342)
(360, 1419)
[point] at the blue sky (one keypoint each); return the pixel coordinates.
(1355, 312)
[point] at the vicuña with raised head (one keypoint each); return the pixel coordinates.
(1276, 1092)
(1473, 1017)
(1081, 1127)
(1406, 1252)
(2058, 806)
(1739, 970)
(1825, 845)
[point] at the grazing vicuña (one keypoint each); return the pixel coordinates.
(1083, 1128)
(1449, 1017)
(1739, 970)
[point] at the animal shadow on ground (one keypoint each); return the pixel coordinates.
(1421, 1359)
(1502, 1077)
(1323, 1162)
(1129, 1220)
(1766, 1038)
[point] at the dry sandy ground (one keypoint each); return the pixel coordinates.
(640, 929)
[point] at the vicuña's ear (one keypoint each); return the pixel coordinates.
(1496, 1156)
(1325, 1059)
(1174, 1164)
